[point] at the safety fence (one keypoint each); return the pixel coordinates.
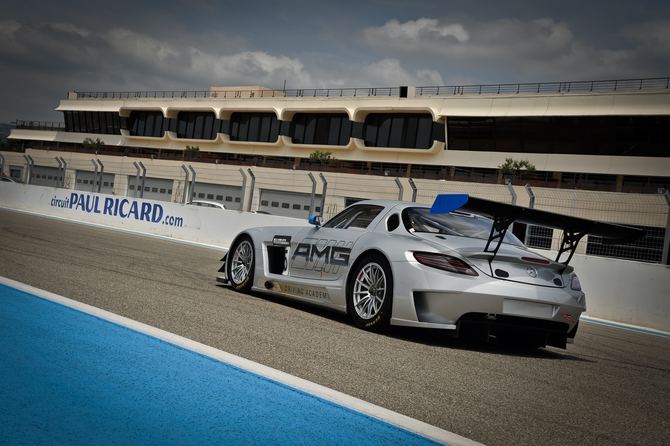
(327, 193)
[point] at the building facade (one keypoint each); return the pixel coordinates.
(609, 136)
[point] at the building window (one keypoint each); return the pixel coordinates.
(257, 127)
(333, 129)
(539, 237)
(401, 130)
(647, 249)
(585, 135)
(197, 125)
(92, 122)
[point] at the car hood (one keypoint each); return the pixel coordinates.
(511, 263)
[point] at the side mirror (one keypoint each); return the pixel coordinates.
(315, 220)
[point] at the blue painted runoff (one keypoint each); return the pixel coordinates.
(67, 377)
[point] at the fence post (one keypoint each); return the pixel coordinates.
(414, 189)
(95, 175)
(29, 168)
(666, 239)
(64, 171)
(244, 189)
(531, 195)
(2, 166)
(401, 189)
(531, 205)
(60, 168)
(186, 185)
(323, 193)
(251, 193)
(511, 190)
(311, 200)
(102, 170)
(144, 176)
(137, 178)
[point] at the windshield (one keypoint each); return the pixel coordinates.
(454, 223)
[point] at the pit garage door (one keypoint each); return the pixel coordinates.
(288, 204)
(45, 176)
(229, 196)
(154, 188)
(84, 182)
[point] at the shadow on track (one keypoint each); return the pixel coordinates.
(431, 337)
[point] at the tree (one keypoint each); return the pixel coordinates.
(514, 167)
(192, 152)
(12, 145)
(93, 144)
(324, 158)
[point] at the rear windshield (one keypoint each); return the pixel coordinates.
(454, 223)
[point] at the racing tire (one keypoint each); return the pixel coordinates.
(370, 293)
(241, 265)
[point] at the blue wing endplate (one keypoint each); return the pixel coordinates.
(445, 203)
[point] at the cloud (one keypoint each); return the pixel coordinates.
(248, 68)
(70, 28)
(541, 49)
(416, 31)
(8, 30)
(389, 73)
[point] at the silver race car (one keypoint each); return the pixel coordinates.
(452, 266)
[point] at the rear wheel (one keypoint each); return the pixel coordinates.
(241, 266)
(370, 293)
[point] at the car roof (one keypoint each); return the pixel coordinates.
(389, 204)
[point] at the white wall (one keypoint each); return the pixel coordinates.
(617, 290)
(209, 226)
(633, 293)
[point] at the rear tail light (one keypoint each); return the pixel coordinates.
(534, 260)
(574, 283)
(445, 263)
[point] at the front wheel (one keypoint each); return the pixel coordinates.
(241, 266)
(370, 293)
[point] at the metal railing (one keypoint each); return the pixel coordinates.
(40, 125)
(541, 87)
(244, 94)
(549, 87)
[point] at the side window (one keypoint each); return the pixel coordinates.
(355, 217)
(392, 223)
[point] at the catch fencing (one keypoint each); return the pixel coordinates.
(333, 191)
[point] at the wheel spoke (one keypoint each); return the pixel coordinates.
(241, 263)
(369, 291)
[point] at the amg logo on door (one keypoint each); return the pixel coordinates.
(323, 255)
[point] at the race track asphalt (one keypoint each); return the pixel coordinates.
(610, 387)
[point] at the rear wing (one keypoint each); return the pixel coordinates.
(503, 215)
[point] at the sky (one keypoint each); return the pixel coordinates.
(48, 48)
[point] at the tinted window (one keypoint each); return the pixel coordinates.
(354, 217)
(421, 220)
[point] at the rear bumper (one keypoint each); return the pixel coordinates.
(426, 297)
